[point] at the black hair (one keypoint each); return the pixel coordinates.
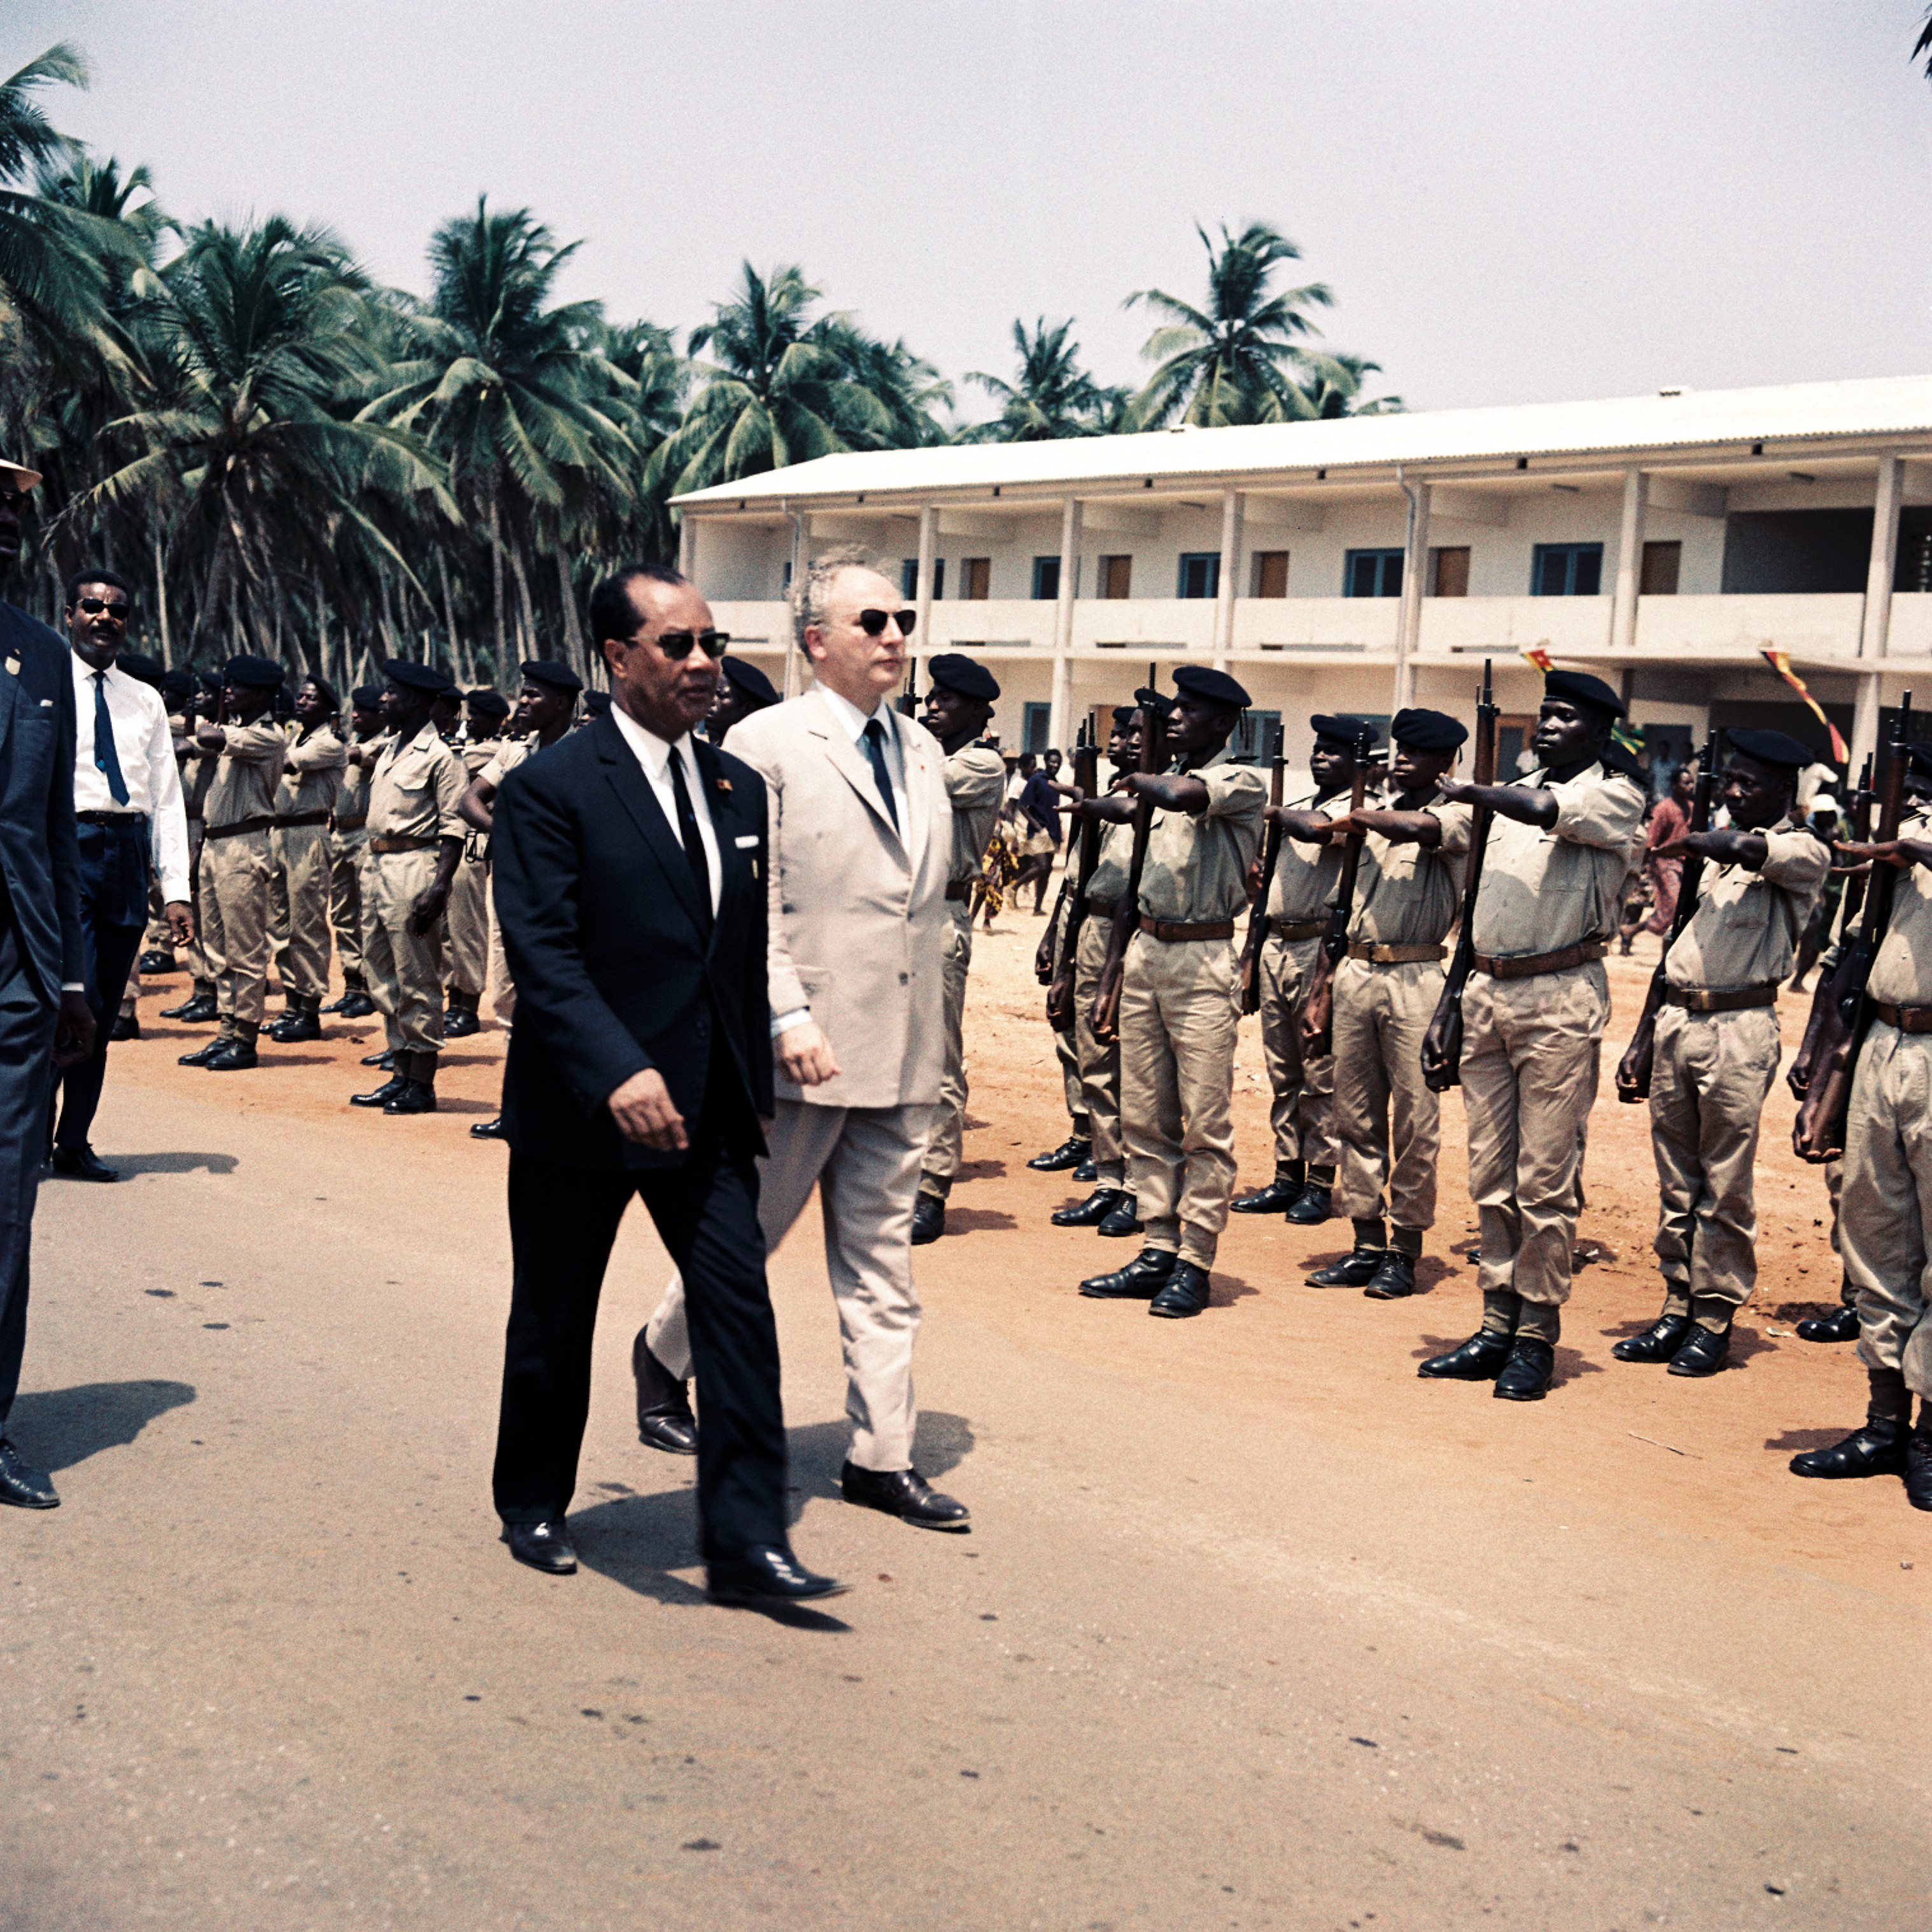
(112, 579)
(613, 614)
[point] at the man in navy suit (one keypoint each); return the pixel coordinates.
(45, 1020)
(629, 862)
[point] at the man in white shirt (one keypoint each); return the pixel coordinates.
(127, 801)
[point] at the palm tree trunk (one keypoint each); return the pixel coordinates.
(448, 604)
(527, 612)
(161, 601)
(216, 588)
(496, 569)
(579, 654)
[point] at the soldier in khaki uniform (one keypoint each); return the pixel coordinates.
(1307, 873)
(958, 708)
(1716, 1049)
(415, 840)
(1888, 1185)
(1408, 893)
(197, 774)
(348, 835)
(1178, 1016)
(312, 769)
(1076, 1151)
(245, 747)
(466, 924)
(1563, 842)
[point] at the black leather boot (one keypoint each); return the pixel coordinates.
(1185, 1294)
(202, 1055)
(1093, 1210)
(1070, 1153)
(1277, 1197)
(385, 1059)
(1875, 1448)
(664, 1420)
(1356, 1270)
(417, 1093)
(1657, 1343)
(928, 1219)
(1141, 1280)
(1312, 1206)
(197, 1010)
(1121, 1220)
(1480, 1359)
(1525, 1376)
(1703, 1353)
(381, 1096)
(460, 1020)
(1918, 1464)
(1394, 1279)
(1840, 1325)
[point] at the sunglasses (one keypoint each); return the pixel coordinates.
(874, 623)
(676, 645)
(95, 606)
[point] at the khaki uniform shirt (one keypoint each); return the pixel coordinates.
(1306, 878)
(1196, 870)
(197, 774)
(511, 752)
(1901, 975)
(1111, 863)
(1745, 930)
(1544, 891)
(975, 784)
(312, 769)
(416, 788)
(351, 802)
(245, 774)
(1409, 895)
(478, 755)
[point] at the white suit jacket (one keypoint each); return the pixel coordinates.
(858, 909)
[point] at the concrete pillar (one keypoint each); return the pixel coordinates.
(1629, 565)
(1060, 725)
(1414, 572)
(1230, 558)
(687, 547)
(794, 669)
(1864, 725)
(929, 528)
(1884, 560)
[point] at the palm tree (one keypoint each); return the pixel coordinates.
(1332, 385)
(1054, 397)
(907, 386)
(1229, 362)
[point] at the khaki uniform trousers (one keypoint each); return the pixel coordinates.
(1383, 1107)
(467, 921)
(345, 898)
(1887, 1201)
(1708, 1085)
(503, 993)
(948, 1117)
(301, 856)
(1531, 1049)
(1099, 1064)
(195, 957)
(864, 1162)
(404, 969)
(1177, 1027)
(236, 873)
(1301, 1088)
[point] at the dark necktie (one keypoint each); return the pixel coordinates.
(107, 760)
(693, 846)
(875, 750)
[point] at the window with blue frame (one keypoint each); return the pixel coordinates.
(1566, 570)
(1372, 573)
(1200, 574)
(1036, 728)
(1045, 579)
(909, 578)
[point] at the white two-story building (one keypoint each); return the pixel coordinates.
(1664, 542)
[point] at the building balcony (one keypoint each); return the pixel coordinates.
(1823, 625)
(1301, 625)
(1144, 624)
(1563, 626)
(990, 623)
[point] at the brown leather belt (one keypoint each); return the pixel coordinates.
(1297, 928)
(1171, 932)
(1527, 965)
(110, 818)
(1907, 1019)
(957, 889)
(1102, 908)
(1728, 1000)
(1393, 955)
(401, 845)
(348, 824)
(260, 823)
(287, 821)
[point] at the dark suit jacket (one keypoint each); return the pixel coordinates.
(613, 969)
(40, 855)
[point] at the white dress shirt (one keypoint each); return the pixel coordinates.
(653, 755)
(145, 747)
(855, 722)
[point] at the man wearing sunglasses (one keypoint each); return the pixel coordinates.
(862, 839)
(127, 805)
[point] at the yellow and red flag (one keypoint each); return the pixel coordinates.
(1539, 657)
(1781, 662)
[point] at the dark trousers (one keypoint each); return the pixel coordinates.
(113, 916)
(562, 1223)
(26, 1038)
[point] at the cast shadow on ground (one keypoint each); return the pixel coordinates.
(58, 1428)
(1745, 1342)
(1797, 1440)
(976, 1220)
(125, 1164)
(639, 1541)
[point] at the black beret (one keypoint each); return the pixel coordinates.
(596, 702)
(415, 677)
(143, 670)
(548, 670)
(750, 682)
(1580, 688)
(448, 688)
(177, 684)
(211, 681)
(1428, 731)
(958, 672)
(1216, 686)
(490, 703)
(255, 673)
(1771, 748)
(1156, 701)
(322, 684)
(1123, 714)
(366, 696)
(1326, 725)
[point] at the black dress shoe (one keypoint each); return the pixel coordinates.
(543, 1546)
(1122, 1219)
(1877, 1448)
(903, 1493)
(1086, 1173)
(234, 1056)
(157, 963)
(1312, 1209)
(201, 1055)
(1703, 1354)
(383, 1095)
(197, 1011)
(459, 1023)
(1657, 1343)
(1394, 1279)
(125, 1026)
(1354, 1270)
(1480, 1359)
(413, 1097)
(297, 1026)
(1141, 1280)
(1186, 1293)
(1277, 1197)
(1918, 1469)
(21, 1485)
(928, 1219)
(487, 1130)
(354, 1005)
(1526, 1374)
(664, 1420)
(386, 1058)
(767, 1575)
(1841, 1325)
(1093, 1210)
(80, 1164)
(1070, 1153)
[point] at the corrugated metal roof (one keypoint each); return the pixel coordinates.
(1895, 405)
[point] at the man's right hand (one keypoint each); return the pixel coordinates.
(643, 1111)
(804, 1055)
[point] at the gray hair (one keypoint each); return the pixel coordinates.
(813, 585)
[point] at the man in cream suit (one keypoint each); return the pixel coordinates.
(861, 835)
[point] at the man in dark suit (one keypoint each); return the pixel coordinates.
(43, 991)
(629, 861)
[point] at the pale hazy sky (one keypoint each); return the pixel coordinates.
(1511, 202)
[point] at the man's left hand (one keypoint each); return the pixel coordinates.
(181, 922)
(73, 1031)
(643, 1111)
(428, 908)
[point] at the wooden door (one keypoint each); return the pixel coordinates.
(1452, 571)
(1117, 576)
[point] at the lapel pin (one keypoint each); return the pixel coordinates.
(12, 666)
(723, 784)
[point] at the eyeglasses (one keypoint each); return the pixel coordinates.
(874, 623)
(676, 645)
(95, 606)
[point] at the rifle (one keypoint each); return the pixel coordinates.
(1818, 1134)
(1633, 1070)
(908, 697)
(1442, 1044)
(1251, 953)
(1106, 1016)
(1318, 1012)
(1799, 1079)
(1073, 888)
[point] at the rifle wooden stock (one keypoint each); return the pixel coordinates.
(1251, 953)
(1106, 1017)
(1073, 891)
(1318, 1010)
(1442, 1044)
(1799, 1079)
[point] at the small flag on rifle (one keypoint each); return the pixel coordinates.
(1631, 741)
(1539, 657)
(1781, 662)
